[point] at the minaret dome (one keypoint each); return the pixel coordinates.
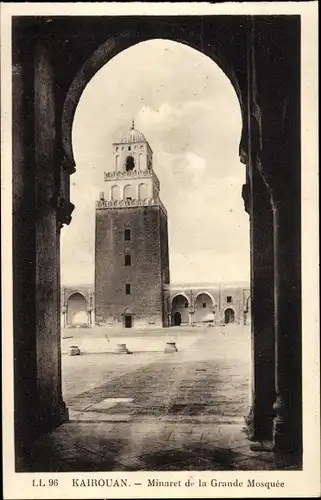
(132, 136)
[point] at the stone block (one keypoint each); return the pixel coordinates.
(73, 350)
(122, 349)
(170, 347)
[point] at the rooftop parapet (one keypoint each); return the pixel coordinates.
(132, 174)
(102, 203)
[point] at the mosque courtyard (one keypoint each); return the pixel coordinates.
(151, 410)
(208, 376)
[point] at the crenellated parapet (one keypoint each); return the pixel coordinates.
(132, 174)
(147, 202)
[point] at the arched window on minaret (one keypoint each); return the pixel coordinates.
(115, 193)
(129, 164)
(129, 192)
(140, 163)
(142, 191)
(117, 163)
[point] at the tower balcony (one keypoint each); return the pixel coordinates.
(147, 202)
(132, 174)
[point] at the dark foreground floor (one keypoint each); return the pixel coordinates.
(155, 411)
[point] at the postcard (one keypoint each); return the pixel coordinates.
(159, 250)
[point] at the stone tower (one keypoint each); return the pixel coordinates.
(131, 247)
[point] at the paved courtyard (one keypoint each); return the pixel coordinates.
(151, 410)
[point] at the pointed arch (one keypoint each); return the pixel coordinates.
(115, 193)
(117, 163)
(229, 315)
(182, 294)
(209, 294)
(122, 41)
(140, 161)
(204, 304)
(180, 304)
(77, 313)
(143, 191)
(130, 163)
(129, 192)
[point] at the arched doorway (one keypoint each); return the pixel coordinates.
(128, 321)
(204, 305)
(229, 316)
(177, 319)
(128, 318)
(77, 310)
(180, 310)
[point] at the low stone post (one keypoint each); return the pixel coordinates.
(122, 349)
(170, 347)
(73, 350)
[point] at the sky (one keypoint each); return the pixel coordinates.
(189, 112)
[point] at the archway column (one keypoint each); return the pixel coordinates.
(274, 147)
(258, 205)
(53, 209)
(93, 317)
(285, 201)
(191, 313)
(278, 156)
(287, 423)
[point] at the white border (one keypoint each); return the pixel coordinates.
(304, 483)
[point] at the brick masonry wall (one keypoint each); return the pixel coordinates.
(164, 260)
(145, 273)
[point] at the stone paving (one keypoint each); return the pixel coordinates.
(156, 411)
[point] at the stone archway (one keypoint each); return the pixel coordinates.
(229, 316)
(115, 45)
(204, 305)
(115, 193)
(77, 311)
(180, 309)
(263, 65)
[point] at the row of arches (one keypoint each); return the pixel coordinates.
(77, 313)
(200, 297)
(229, 317)
(129, 192)
(203, 309)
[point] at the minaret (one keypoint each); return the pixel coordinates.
(132, 180)
(131, 252)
